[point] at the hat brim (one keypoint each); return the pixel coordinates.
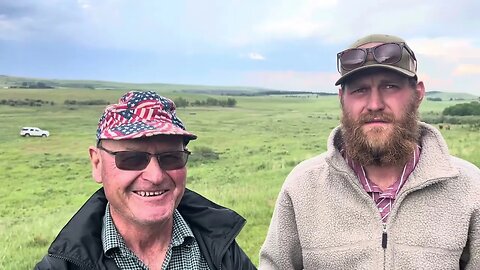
(363, 68)
(157, 128)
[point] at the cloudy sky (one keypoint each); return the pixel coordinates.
(279, 44)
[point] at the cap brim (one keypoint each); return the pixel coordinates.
(159, 129)
(363, 68)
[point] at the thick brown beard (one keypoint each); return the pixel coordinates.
(374, 148)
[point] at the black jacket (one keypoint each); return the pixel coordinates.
(79, 243)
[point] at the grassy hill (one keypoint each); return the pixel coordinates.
(451, 96)
(10, 81)
(13, 82)
(256, 144)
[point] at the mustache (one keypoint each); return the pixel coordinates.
(376, 116)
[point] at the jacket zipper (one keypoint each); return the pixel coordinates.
(384, 244)
(69, 260)
(384, 236)
(403, 193)
(400, 197)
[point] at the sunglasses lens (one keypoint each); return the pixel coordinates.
(353, 58)
(130, 160)
(172, 160)
(389, 53)
(135, 161)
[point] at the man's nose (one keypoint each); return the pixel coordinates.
(375, 101)
(153, 172)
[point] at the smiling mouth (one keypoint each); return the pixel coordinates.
(150, 193)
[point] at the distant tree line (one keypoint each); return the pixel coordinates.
(39, 102)
(250, 93)
(36, 85)
(458, 114)
(472, 120)
(182, 102)
(472, 108)
(26, 102)
(451, 99)
(86, 102)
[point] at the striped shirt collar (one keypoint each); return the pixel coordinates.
(393, 190)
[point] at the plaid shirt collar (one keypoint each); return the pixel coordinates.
(113, 242)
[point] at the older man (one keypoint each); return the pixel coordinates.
(144, 217)
(386, 194)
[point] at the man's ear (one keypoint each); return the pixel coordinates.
(96, 162)
(420, 88)
(340, 95)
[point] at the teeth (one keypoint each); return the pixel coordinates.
(149, 193)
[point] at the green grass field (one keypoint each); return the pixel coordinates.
(45, 180)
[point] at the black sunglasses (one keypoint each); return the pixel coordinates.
(387, 53)
(137, 160)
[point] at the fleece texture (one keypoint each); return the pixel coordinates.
(324, 219)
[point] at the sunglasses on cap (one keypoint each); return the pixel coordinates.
(386, 53)
(137, 160)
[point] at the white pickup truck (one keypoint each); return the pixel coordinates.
(33, 131)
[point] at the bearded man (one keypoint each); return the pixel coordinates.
(386, 194)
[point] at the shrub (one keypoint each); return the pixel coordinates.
(203, 154)
(472, 108)
(181, 102)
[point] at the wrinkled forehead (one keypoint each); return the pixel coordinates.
(375, 74)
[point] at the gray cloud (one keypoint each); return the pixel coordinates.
(287, 31)
(31, 20)
(15, 9)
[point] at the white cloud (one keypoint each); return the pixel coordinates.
(292, 80)
(85, 4)
(285, 20)
(256, 56)
(449, 48)
(467, 69)
(291, 28)
(448, 63)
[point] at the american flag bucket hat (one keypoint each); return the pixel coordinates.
(141, 114)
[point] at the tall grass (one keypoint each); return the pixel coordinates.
(45, 180)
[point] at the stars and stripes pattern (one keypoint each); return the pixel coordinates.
(140, 114)
(384, 199)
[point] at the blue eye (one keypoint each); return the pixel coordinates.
(359, 91)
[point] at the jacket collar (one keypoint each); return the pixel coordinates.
(215, 227)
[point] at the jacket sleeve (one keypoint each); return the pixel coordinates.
(470, 259)
(282, 249)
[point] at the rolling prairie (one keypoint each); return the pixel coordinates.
(254, 145)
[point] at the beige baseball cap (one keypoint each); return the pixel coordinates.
(407, 65)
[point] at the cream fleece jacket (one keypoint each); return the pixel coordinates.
(324, 219)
